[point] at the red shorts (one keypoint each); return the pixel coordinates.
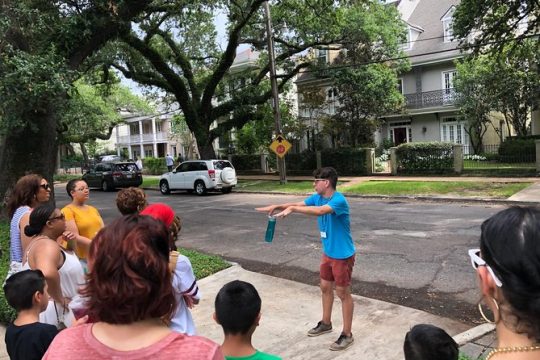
(337, 270)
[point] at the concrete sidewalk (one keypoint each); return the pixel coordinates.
(290, 308)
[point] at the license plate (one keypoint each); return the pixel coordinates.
(129, 176)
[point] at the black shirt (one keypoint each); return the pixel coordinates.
(29, 342)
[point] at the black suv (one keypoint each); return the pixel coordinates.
(110, 175)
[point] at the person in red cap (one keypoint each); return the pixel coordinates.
(184, 282)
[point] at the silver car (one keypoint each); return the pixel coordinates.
(200, 176)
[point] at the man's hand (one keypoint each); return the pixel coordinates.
(268, 209)
(285, 212)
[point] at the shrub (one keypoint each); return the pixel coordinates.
(425, 157)
(347, 161)
(7, 314)
(518, 150)
(246, 162)
(303, 163)
(154, 166)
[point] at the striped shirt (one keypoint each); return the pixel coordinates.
(15, 244)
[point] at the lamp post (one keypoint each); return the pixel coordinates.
(275, 93)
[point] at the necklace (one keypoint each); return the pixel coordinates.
(510, 349)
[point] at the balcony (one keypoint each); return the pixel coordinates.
(428, 99)
(146, 138)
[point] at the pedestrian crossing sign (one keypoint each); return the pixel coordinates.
(280, 146)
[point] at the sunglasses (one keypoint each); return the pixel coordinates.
(59, 217)
(45, 186)
(477, 261)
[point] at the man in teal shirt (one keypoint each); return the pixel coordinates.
(337, 262)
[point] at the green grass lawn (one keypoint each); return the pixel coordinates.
(150, 181)
(461, 188)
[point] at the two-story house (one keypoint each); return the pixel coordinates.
(430, 112)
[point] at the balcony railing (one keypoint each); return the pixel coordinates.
(149, 137)
(428, 99)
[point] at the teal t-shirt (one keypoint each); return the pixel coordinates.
(335, 227)
(259, 355)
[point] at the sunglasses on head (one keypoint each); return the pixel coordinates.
(45, 186)
(477, 261)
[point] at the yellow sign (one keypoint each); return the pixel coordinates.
(280, 146)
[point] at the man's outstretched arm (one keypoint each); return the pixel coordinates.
(307, 210)
(270, 209)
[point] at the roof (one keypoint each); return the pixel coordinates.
(428, 15)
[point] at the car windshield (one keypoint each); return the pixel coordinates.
(221, 164)
(126, 167)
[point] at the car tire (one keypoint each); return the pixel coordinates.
(200, 188)
(226, 190)
(105, 186)
(164, 187)
(228, 175)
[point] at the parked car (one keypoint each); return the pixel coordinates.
(200, 176)
(110, 175)
(109, 158)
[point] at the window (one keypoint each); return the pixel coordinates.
(453, 130)
(406, 44)
(400, 85)
(322, 56)
(448, 86)
(447, 23)
(331, 95)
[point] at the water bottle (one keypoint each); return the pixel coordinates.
(270, 229)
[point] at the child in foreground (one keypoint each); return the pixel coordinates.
(27, 338)
(428, 342)
(238, 311)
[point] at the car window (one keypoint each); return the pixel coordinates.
(126, 167)
(106, 167)
(183, 167)
(221, 164)
(202, 166)
(99, 167)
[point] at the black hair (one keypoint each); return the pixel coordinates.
(428, 342)
(510, 245)
(237, 306)
(327, 173)
(70, 186)
(20, 288)
(38, 218)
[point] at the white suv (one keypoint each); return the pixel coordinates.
(199, 176)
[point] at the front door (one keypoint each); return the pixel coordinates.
(400, 136)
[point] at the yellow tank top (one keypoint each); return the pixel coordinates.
(88, 222)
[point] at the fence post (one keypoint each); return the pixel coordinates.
(393, 161)
(264, 163)
(319, 160)
(537, 142)
(370, 160)
(458, 158)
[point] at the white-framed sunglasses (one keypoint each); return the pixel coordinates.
(477, 261)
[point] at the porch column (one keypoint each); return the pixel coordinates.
(141, 146)
(154, 138)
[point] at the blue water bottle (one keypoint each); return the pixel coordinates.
(270, 229)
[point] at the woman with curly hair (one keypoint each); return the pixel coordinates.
(508, 269)
(130, 295)
(29, 191)
(131, 200)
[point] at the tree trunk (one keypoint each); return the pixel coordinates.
(84, 152)
(207, 150)
(29, 151)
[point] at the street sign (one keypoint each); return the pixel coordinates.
(280, 146)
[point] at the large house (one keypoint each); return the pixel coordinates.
(430, 112)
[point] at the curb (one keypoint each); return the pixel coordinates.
(474, 333)
(397, 197)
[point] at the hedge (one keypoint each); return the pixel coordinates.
(518, 150)
(154, 166)
(302, 163)
(347, 161)
(246, 162)
(425, 157)
(7, 314)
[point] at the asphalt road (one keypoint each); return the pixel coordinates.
(410, 253)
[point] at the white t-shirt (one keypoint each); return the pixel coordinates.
(184, 283)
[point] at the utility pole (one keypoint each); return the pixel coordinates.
(275, 93)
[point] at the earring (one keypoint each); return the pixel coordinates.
(484, 315)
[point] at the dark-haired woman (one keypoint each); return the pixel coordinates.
(508, 269)
(82, 219)
(62, 270)
(29, 191)
(130, 295)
